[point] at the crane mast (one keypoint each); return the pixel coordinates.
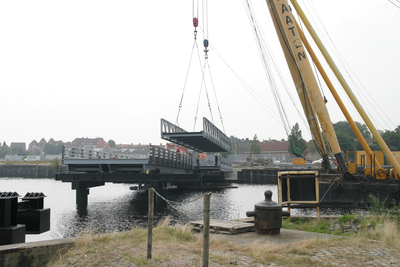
(304, 80)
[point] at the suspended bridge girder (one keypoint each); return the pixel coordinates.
(211, 139)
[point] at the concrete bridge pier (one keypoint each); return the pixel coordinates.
(82, 191)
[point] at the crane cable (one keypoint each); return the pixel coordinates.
(304, 91)
(195, 14)
(265, 52)
(362, 92)
(208, 99)
(216, 98)
(207, 64)
(195, 23)
(205, 44)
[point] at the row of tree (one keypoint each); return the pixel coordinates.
(346, 138)
(297, 145)
(6, 150)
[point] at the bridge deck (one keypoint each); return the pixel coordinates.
(211, 139)
(160, 159)
(160, 169)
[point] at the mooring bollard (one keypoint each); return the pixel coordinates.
(150, 226)
(206, 229)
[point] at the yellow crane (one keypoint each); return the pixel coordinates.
(294, 46)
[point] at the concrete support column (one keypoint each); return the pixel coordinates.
(82, 197)
(82, 192)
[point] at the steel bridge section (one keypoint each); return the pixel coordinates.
(211, 139)
(102, 178)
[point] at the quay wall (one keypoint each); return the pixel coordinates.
(34, 253)
(266, 175)
(30, 170)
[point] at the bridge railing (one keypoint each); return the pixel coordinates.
(163, 157)
(216, 135)
(70, 152)
(226, 164)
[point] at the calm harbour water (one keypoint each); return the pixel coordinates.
(114, 207)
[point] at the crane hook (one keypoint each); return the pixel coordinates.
(195, 24)
(205, 43)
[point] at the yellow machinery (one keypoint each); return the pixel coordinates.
(368, 163)
(298, 161)
(294, 46)
(350, 187)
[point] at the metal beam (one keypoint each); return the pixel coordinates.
(211, 139)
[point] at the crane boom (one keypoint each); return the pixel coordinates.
(302, 75)
(347, 89)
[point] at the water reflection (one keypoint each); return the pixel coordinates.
(114, 207)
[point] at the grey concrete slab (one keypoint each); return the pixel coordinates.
(285, 237)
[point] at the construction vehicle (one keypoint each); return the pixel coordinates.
(346, 186)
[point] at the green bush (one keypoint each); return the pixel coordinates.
(346, 218)
(54, 165)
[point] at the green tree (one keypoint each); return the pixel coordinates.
(234, 138)
(311, 146)
(54, 165)
(297, 145)
(344, 127)
(374, 146)
(50, 149)
(4, 150)
(255, 146)
(17, 150)
(346, 142)
(391, 138)
(111, 143)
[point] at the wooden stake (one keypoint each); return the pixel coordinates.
(206, 229)
(150, 226)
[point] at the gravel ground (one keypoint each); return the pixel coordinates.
(229, 252)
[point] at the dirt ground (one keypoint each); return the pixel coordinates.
(238, 250)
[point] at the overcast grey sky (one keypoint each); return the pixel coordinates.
(113, 69)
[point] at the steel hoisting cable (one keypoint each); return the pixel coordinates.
(216, 98)
(205, 27)
(184, 85)
(195, 24)
(270, 77)
(195, 13)
(205, 43)
(208, 99)
(394, 4)
(277, 98)
(341, 59)
(249, 90)
(303, 84)
(195, 17)
(265, 52)
(201, 86)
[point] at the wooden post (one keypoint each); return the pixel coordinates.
(206, 229)
(150, 227)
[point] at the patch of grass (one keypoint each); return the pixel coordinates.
(140, 261)
(318, 226)
(346, 218)
(220, 259)
(172, 233)
(297, 251)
